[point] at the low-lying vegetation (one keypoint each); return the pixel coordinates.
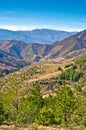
(22, 102)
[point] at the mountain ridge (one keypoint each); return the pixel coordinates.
(70, 44)
(44, 36)
(67, 49)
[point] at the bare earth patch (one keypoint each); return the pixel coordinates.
(12, 127)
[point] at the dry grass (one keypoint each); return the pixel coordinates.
(12, 127)
(47, 70)
(50, 128)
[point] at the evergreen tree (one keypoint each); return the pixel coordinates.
(65, 105)
(2, 112)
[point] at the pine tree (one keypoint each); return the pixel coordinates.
(65, 105)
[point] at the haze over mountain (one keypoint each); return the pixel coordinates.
(44, 36)
(17, 53)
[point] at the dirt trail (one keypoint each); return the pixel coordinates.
(42, 77)
(51, 70)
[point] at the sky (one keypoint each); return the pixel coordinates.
(67, 15)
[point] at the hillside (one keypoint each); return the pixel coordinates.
(8, 63)
(44, 36)
(70, 46)
(28, 52)
(47, 94)
(13, 47)
(67, 49)
(34, 52)
(20, 53)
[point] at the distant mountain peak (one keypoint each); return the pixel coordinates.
(44, 36)
(81, 35)
(14, 52)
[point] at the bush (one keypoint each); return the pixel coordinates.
(2, 117)
(46, 116)
(71, 74)
(69, 65)
(59, 68)
(34, 127)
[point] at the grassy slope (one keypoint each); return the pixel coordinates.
(46, 74)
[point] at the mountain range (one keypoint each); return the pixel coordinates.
(16, 54)
(44, 36)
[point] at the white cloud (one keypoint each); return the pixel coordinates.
(15, 27)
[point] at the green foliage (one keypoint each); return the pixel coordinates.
(46, 116)
(2, 117)
(78, 87)
(2, 112)
(69, 65)
(65, 105)
(30, 106)
(26, 74)
(1, 75)
(34, 127)
(35, 99)
(71, 74)
(46, 113)
(81, 63)
(12, 96)
(21, 102)
(31, 71)
(80, 112)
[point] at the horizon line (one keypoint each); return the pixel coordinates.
(31, 28)
(41, 29)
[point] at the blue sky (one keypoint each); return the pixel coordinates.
(67, 15)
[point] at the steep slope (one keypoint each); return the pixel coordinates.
(28, 52)
(16, 54)
(34, 52)
(13, 47)
(10, 55)
(69, 46)
(46, 36)
(17, 51)
(9, 63)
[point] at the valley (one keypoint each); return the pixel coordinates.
(43, 86)
(26, 54)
